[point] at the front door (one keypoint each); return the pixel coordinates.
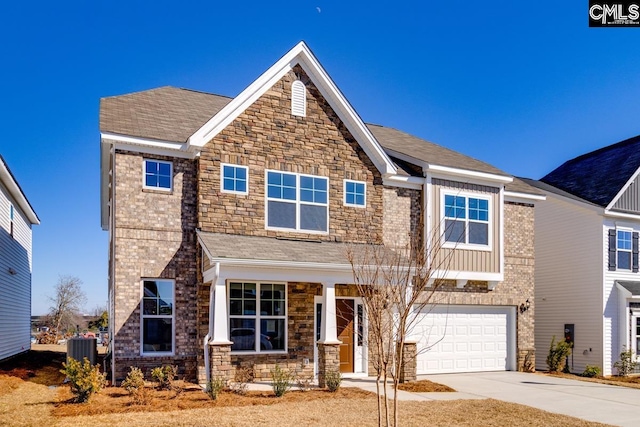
(346, 329)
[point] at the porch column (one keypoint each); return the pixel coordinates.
(220, 317)
(329, 345)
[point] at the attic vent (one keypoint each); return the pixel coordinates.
(298, 99)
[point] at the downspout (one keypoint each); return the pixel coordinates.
(210, 333)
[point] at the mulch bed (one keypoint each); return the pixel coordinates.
(424, 386)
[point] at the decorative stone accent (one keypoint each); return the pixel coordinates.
(220, 361)
(409, 368)
(328, 361)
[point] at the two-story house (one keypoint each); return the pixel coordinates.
(587, 275)
(229, 219)
(16, 218)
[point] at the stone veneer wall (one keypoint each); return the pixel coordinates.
(154, 238)
(267, 136)
(402, 211)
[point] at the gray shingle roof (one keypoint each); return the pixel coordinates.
(598, 176)
(174, 114)
(267, 248)
(633, 287)
(551, 189)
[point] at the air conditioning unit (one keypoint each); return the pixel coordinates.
(79, 348)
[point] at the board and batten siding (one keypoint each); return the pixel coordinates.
(568, 279)
(15, 289)
(629, 201)
(459, 259)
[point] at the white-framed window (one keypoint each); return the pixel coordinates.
(466, 220)
(623, 249)
(158, 175)
(298, 99)
(355, 193)
(297, 202)
(258, 316)
(157, 317)
(234, 179)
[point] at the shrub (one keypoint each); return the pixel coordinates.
(591, 371)
(241, 380)
(215, 387)
(134, 384)
(281, 380)
(558, 353)
(85, 380)
(333, 380)
(164, 376)
(626, 364)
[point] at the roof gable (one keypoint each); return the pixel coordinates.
(600, 176)
(300, 55)
(10, 183)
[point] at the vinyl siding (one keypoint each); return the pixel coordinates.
(15, 289)
(568, 280)
(467, 259)
(629, 201)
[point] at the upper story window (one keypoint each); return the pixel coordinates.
(257, 316)
(466, 219)
(298, 99)
(235, 179)
(623, 247)
(158, 174)
(158, 316)
(355, 193)
(297, 202)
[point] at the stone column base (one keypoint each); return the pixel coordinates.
(220, 361)
(527, 360)
(328, 361)
(409, 367)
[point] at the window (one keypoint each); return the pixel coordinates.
(257, 316)
(623, 246)
(298, 99)
(235, 179)
(355, 193)
(158, 315)
(466, 220)
(157, 174)
(297, 202)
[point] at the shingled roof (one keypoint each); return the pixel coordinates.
(174, 114)
(598, 176)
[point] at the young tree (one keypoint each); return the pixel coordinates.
(66, 302)
(396, 282)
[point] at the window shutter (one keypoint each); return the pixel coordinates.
(612, 250)
(635, 252)
(298, 99)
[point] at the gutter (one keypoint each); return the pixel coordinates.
(207, 337)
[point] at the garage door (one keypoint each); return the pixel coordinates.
(465, 339)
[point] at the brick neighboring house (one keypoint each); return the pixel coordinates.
(228, 221)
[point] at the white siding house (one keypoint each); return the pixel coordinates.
(16, 218)
(587, 257)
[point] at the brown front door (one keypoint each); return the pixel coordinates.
(344, 309)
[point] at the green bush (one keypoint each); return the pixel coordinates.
(134, 384)
(591, 371)
(85, 380)
(557, 356)
(164, 376)
(281, 380)
(215, 387)
(333, 380)
(626, 364)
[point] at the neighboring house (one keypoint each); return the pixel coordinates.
(587, 256)
(16, 218)
(229, 219)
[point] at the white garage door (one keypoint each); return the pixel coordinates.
(458, 338)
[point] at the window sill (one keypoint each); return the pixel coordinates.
(256, 353)
(157, 190)
(467, 246)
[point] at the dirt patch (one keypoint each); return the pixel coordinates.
(424, 386)
(40, 367)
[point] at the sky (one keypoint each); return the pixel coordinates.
(523, 88)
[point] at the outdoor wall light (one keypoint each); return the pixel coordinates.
(525, 306)
(12, 271)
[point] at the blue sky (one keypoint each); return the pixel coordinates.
(521, 87)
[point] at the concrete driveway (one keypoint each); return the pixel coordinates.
(590, 401)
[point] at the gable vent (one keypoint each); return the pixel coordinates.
(298, 99)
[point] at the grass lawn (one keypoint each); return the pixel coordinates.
(31, 394)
